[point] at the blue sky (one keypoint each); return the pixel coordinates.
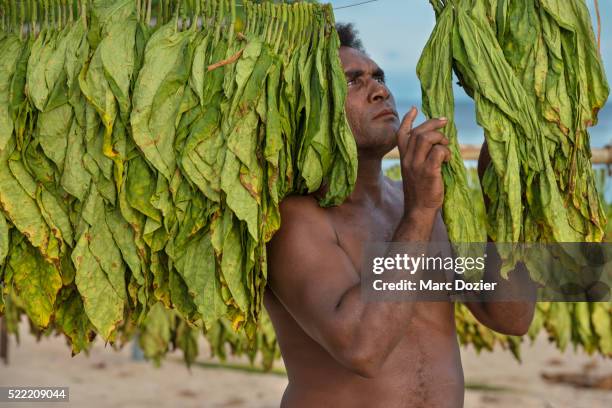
(394, 33)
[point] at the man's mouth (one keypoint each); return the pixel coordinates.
(385, 113)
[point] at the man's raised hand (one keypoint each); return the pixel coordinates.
(422, 151)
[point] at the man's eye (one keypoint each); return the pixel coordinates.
(381, 79)
(351, 82)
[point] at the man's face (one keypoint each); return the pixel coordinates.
(370, 107)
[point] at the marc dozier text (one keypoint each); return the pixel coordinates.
(405, 263)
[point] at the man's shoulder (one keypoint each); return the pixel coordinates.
(305, 230)
(303, 214)
(298, 203)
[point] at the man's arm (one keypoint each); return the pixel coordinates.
(513, 318)
(315, 280)
(317, 283)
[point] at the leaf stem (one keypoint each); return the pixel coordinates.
(598, 26)
(84, 12)
(21, 19)
(148, 18)
(232, 22)
(176, 14)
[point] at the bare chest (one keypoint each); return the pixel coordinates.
(358, 228)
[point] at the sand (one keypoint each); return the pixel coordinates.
(110, 378)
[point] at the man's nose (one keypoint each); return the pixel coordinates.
(379, 91)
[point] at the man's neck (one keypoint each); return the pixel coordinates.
(370, 181)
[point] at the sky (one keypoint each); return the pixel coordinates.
(394, 33)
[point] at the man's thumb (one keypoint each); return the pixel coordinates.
(406, 127)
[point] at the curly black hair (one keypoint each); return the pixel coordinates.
(349, 36)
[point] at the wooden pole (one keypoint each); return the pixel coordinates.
(3, 341)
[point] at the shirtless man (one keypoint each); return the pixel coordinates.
(338, 350)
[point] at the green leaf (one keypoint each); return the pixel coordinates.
(36, 281)
(71, 319)
(102, 304)
(158, 90)
(197, 265)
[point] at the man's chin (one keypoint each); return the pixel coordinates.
(389, 127)
(378, 147)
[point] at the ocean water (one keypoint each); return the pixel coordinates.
(470, 133)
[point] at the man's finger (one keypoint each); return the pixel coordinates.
(403, 134)
(437, 156)
(431, 124)
(424, 142)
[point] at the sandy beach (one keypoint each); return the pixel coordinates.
(108, 378)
